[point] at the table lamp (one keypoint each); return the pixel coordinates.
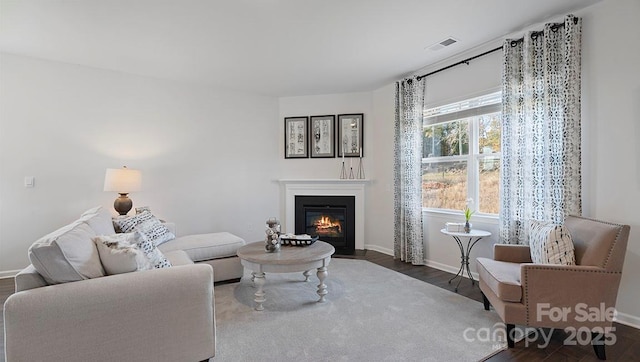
(122, 180)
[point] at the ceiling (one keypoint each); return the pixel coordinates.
(270, 47)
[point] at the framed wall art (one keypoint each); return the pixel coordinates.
(295, 137)
(322, 136)
(350, 135)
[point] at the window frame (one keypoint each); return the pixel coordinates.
(474, 157)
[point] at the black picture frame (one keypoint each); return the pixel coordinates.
(322, 136)
(296, 144)
(350, 135)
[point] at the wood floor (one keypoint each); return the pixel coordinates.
(627, 347)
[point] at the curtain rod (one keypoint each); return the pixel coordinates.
(513, 43)
(466, 61)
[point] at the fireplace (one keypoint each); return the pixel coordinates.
(332, 218)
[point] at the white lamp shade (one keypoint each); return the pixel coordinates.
(122, 180)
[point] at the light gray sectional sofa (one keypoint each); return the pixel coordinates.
(66, 309)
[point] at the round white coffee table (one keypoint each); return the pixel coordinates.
(289, 259)
(474, 236)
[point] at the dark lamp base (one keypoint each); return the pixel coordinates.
(123, 204)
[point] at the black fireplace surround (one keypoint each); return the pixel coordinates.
(332, 218)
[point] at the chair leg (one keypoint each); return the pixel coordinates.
(510, 342)
(597, 341)
(485, 301)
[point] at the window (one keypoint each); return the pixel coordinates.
(461, 155)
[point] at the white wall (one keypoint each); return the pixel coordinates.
(611, 152)
(611, 111)
(206, 156)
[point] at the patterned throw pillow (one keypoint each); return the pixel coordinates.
(119, 254)
(148, 225)
(550, 244)
(126, 225)
(141, 209)
(155, 231)
(155, 256)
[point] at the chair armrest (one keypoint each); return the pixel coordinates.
(512, 253)
(576, 288)
(155, 315)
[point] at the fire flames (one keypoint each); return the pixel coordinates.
(325, 224)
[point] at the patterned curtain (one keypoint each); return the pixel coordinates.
(541, 129)
(408, 244)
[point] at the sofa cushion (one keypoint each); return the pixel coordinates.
(29, 278)
(119, 254)
(99, 219)
(550, 244)
(502, 277)
(201, 247)
(178, 257)
(67, 254)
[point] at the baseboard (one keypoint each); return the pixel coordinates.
(449, 268)
(627, 319)
(8, 274)
(379, 249)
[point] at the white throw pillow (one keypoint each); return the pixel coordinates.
(153, 254)
(550, 244)
(119, 254)
(99, 219)
(67, 254)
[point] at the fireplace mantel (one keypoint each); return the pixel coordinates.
(326, 187)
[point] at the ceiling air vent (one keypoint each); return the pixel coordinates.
(441, 44)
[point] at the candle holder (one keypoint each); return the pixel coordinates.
(351, 172)
(343, 172)
(360, 169)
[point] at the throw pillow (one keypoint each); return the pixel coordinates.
(67, 254)
(550, 244)
(141, 209)
(126, 224)
(99, 219)
(155, 231)
(119, 254)
(146, 223)
(155, 256)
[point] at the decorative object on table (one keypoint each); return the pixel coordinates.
(273, 235)
(360, 166)
(350, 134)
(123, 181)
(467, 217)
(298, 240)
(455, 227)
(322, 136)
(295, 137)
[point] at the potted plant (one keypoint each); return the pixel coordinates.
(467, 217)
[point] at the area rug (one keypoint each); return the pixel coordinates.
(371, 314)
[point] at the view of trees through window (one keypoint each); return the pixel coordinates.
(461, 156)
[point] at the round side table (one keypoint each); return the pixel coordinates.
(473, 237)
